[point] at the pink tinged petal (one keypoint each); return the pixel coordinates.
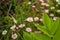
(28, 29)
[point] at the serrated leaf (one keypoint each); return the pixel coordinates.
(40, 36)
(47, 21)
(43, 29)
(57, 34)
(54, 27)
(27, 36)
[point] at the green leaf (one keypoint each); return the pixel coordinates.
(40, 36)
(14, 1)
(27, 36)
(47, 21)
(57, 34)
(43, 29)
(6, 37)
(54, 26)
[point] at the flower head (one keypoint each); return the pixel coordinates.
(28, 29)
(21, 25)
(41, 19)
(52, 15)
(36, 19)
(4, 32)
(29, 19)
(29, 2)
(13, 27)
(54, 18)
(14, 36)
(41, 1)
(46, 11)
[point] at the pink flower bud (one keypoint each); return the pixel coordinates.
(33, 6)
(16, 28)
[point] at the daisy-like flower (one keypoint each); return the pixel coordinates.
(54, 18)
(29, 19)
(13, 27)
(14, 36)
(46, 11)
(58, 10)
(33, 6)
(36, 19)
(21, 25)
(28, 29)
(47, 5)
(52, 7)
(4, 32)
(29, 2)
(52, 15)
(41, 19)
(43, 4)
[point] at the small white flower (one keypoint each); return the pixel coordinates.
(52, 15)
(28, 29)
(58, 1)
(41, 0)
(13, 27)
(43, 4)
(36, 18)
(46, 11)
(54, 18)
(41, 19)
(29, 2)
(33, 6)
(21, 25)
(29, 19)
(52, 7)
(58, 10)
(14, 36)
(4, 32)
(47, 5)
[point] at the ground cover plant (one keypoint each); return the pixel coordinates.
(29, 19)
